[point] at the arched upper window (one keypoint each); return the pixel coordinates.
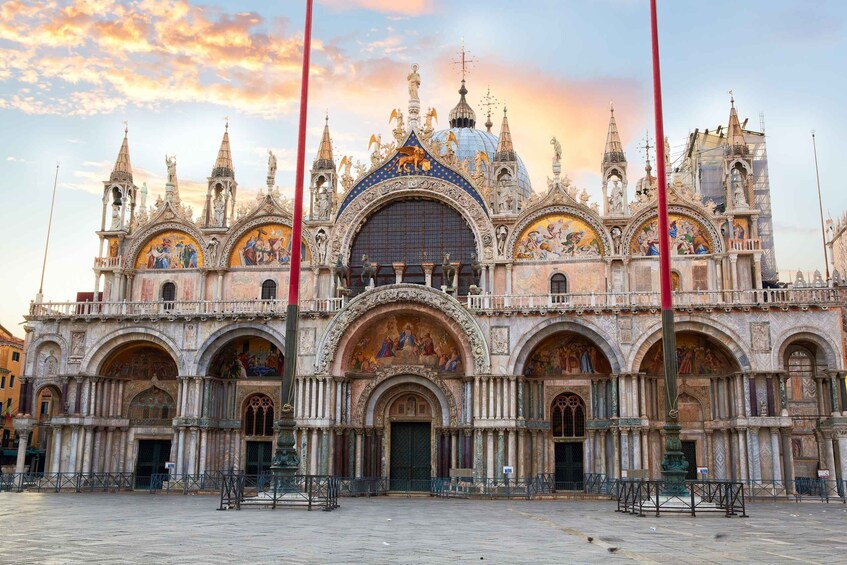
(168, 293)
(152, 406)
(269, 290)
(414, 232)
(568, 416)
(558, 287)
(259, 416)
(801, 373)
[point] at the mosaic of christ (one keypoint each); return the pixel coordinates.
(566, 354)
(405, 340)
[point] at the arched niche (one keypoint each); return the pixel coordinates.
(170, 249)
(566, 353)
(414, 232)
(139, 361)
(152, 406)
(697, 354)
(265, 245)
(401, 339)
(247, 357)
(558, 236)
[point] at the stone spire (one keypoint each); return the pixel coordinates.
(122, 171)
(736, 144)
(505, 149)
(462, 115)
(223, 164)
(614, 149)
(324, 158)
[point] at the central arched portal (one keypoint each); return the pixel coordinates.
(411, 447)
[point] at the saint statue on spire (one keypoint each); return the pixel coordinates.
(414, 83)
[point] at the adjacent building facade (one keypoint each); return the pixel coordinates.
(452, 317)
(11, 362)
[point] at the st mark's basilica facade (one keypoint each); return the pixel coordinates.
(452, 317)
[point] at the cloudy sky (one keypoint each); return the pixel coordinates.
(72, 71)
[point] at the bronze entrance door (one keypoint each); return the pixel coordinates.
(689, 449)
(568, 465)
(411, 458)
(152, 456)
(259, 457)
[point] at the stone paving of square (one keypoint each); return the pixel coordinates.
(143, 528)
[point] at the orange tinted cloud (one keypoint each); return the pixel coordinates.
(148, 52)
(404, 7)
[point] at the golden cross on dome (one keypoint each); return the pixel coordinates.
(646, 147)
(465, 60)
(489, 103)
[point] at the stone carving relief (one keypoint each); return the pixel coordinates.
(760, 336)
(77, 345)
(306, 343)
(500, 340)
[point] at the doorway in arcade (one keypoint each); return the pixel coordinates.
(411, 460)
(152, 456)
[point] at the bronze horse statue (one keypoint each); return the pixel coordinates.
(368, 271)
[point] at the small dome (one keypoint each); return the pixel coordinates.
(462, 115)
(472, 140)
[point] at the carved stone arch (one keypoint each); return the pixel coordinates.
(373, 303)
(354, 216)
(391, 377)
(244, 226)
(723, 335)
(537, 213)
(697, 215)
(100, 351)
(698, 395)
(541, 331)
(224, 335)
(615, 170)
(34, 350)
(742, 163)
(829, 350)
(385, 401)
(151, 230)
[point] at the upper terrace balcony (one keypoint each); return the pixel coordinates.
(801, 298)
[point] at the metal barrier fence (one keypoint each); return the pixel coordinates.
(362, 486)
(66, 482)
(308, 491)
(490, 487)
(636, 496)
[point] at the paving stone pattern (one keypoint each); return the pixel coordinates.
(143, 528)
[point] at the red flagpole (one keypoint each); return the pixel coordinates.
(297, 229)
(674, 465)
(286, 460)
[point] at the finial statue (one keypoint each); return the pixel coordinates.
(414, 83)
(271, 168)
(557, 150)
(170, 162)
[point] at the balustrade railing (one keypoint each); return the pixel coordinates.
(745, 244)
(177, 308)
(487, 302)
(108, 262)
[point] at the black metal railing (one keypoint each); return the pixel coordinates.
(637, 496)
(493, 487)
(362, 486)
(239, 491)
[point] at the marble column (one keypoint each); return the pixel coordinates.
(775, 460)
(23, 441)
